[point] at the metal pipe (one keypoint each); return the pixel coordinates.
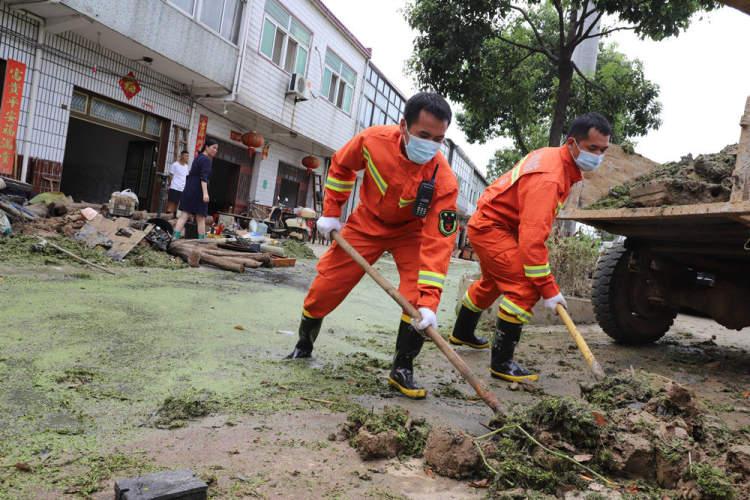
(31, 113)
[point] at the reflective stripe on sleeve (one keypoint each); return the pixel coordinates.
(537, 271)
(339, 185)
(431, 278)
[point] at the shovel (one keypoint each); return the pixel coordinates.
(596, 368)
(431, 332)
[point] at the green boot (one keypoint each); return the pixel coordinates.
(408, 344)
(502, 366)
(463, 331)
(308, 332)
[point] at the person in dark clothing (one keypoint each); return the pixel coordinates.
(194, 199)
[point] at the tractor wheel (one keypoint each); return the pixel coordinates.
(615, 294)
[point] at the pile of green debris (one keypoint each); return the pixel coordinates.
(704, 179)
(297, 249)
(635, 433)
(26, 249)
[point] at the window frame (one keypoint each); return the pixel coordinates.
(339, 80)
(195, 16)
(287, 31)
(181, 136)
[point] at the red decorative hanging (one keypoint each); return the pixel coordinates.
(252, 139)
(310, 162)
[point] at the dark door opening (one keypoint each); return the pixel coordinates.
(222, 186)
(288, 192)
(100, 160)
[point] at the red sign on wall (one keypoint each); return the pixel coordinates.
(10, 109)
(201, 138)
(129, 85)
(235, 136)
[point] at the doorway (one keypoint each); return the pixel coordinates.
(100, 160)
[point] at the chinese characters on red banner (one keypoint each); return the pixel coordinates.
(129, 85)
(10, 110)
(201, 138)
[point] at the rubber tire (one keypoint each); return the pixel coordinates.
(610, 298)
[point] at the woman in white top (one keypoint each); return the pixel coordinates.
(178, 172)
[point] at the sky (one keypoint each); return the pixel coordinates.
(704, 76)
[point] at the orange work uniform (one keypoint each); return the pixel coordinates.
(384, 221)
(509, 231)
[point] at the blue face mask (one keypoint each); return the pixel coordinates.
(586, 161)
(421, 150)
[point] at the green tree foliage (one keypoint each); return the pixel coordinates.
(630, 103)
(509, 63)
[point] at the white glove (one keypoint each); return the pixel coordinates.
(328, 224)
(551, 303)
(428, 319)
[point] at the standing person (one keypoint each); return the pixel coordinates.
(194, 199)
(178, 172)
(395, 214)
(509, 231)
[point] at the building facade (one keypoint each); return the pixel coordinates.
(111, 96)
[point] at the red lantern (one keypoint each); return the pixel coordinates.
(252, 139)
(310, 162)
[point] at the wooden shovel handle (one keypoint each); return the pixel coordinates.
(596, 368)
(439, 341)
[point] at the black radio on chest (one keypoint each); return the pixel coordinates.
(425, 193)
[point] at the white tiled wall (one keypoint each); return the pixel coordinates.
(70, 60)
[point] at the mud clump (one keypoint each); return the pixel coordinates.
(452, 453)
(704, 179)
(389, 434)
(633, 426)
(177, 410)
(297, 249)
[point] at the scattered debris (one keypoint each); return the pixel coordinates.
(178, 409)
(704, 179)
(386, 435)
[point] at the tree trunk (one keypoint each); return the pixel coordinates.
(565, 75)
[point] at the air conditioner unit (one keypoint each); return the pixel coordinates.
(298, 88)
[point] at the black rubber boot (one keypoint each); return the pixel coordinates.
(502, 365)
(408, 345)
(463, 331)
(308, 332)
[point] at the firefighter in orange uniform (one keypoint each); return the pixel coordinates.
(408, 208)
(509, 230)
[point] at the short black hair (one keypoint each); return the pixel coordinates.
(580, 127)
(184, 152)
(432, 102)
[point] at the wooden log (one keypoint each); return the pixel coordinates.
(252, 263)
(188, 253)
(223, 263)
(262, 257)
(278, 251)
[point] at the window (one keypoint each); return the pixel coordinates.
(180, 141)
(222, 16)
(284, 40)
(338, 82)
(382, 104)
(186, 5)
(79, 102)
